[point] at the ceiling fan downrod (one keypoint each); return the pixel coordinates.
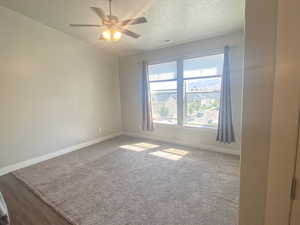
(110, 7)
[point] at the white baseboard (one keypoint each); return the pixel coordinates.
(202, 147)
(20, 165)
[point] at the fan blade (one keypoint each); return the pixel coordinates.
(84, 25)
(130, 33)
(133, 21)
(99, 12)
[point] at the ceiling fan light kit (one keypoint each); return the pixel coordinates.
(111, 35)
(114, 28)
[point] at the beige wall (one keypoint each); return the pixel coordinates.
(260, 41)
(130, 84)
(55, 91)
(285, 114)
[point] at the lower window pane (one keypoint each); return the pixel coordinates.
(201, 108)
(164, 103)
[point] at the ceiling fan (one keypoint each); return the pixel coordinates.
(114, 27)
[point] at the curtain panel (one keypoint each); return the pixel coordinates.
(225, 126)
(146, 100)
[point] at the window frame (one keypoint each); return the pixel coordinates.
(181, 92)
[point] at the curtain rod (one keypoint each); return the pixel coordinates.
(193, 54)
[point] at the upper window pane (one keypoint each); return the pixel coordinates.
(204, 66)
(203, 85)
(162, 71)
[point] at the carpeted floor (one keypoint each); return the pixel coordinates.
(129, 181)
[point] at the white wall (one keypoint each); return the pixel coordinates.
(130, 84)
(55, 91)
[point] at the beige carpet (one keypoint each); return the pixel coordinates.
(128, 181)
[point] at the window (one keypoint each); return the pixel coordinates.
(202, 85)
(163, 89)
(195, 92)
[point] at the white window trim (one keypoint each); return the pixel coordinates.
(180, 92)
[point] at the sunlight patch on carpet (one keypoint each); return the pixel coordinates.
(139, 147)
(166, 155)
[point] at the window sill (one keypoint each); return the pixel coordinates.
(186, 127)
(200, 127)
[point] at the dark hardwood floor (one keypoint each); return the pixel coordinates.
(26, 208)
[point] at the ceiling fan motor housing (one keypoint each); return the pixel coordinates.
(111, 20)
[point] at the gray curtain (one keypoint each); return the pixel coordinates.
(146, 100)
(225, 126)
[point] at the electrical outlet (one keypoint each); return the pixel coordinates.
(100, 130)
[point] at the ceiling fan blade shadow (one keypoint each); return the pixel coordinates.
(138, 20)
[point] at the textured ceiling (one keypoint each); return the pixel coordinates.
(177, 20)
